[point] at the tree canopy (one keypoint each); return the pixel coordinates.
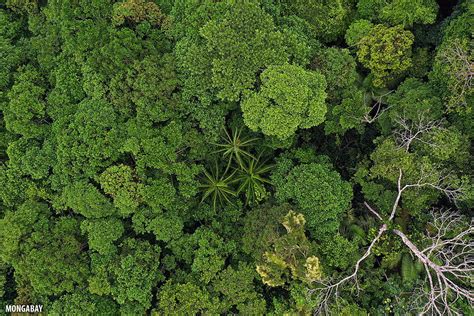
(257, 157)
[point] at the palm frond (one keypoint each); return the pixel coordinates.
(235, 148)
(217, 187)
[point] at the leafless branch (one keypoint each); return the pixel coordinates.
(448, 262)
(330, 291)
(452, 251)
(432, 179)
(409, 131)
(373, 211)
(439, 181)
(376, 109)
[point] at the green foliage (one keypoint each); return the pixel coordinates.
(452, 65)
(408, 269)
(252, 180)
(30, 157)
(118, 181)
(186, 298)
(204, 251)
(415, 97)
(136, 11)
(235, 147)
(230, 48)
(386, 52)
(165, 225)
(150, 152)
(357, 31)
(417, 165)
(83, 303)
(243, 40)
(399, 12)
(88, 140)
(261, 227)
(10, 29)
(328, 19)
(414, 101)
(26, 110)
(421, 62)
(350, 113)
(289, 98)
(347, 103)
(102, 233)
(217, 187)
(237, 287)
(339, 69)
(320, 194)
(128, 276)
(248, 178)
(337, 251)
(450, 72)
(48, 253)
(83, 198)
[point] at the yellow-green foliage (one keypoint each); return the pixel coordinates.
(386, 52)
(291, 257)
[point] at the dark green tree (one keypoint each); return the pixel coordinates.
(320, 194)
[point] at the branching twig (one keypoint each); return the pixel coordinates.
(410, 131)
(443, 279)
(377, 107)
(448, 262)
(330, 291)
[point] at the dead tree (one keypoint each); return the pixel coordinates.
(411, 130)
(448, 263)
(447, 281)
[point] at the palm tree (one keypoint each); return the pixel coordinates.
(252, 180)
(234, 147)
(217, 187)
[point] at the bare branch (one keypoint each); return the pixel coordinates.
(455, 253)
(373, 211)
(409, 131)
(400, 190)
(330, 291)
(448, 262)
(438, 181)
(377, 107)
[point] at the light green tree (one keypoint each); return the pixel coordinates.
(320, 194)
(289, 98)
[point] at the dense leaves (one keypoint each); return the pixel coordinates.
(184, 157)
(319, 192)
(289, 98)
(386, 51)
